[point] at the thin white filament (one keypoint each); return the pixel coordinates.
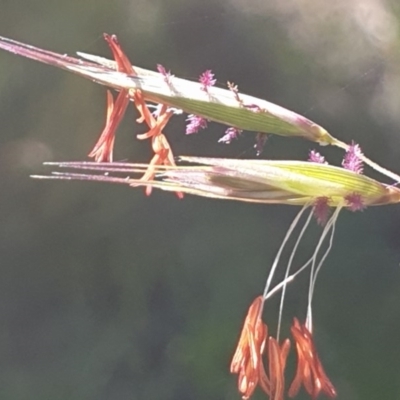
(325, 254)
(289, 279)
(278, 255)
(314, 270)
(301, 234)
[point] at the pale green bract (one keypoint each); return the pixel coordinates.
(257, 181)
(216, 104)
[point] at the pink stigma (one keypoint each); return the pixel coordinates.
(352, 159)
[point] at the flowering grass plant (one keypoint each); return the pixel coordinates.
(314, 185)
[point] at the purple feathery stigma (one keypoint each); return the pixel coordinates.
(230, 134)
(195, 124)
(321, 209)
(207, 80)
(352, 159)
(355, 202)
(315, 157)
(167, 74)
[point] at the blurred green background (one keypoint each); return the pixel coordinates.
(107, 294)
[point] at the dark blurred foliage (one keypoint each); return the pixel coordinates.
(107, 294)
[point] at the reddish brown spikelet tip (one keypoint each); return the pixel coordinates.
(247, 360)
(310, 372)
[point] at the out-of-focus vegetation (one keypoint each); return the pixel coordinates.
(108, 294)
